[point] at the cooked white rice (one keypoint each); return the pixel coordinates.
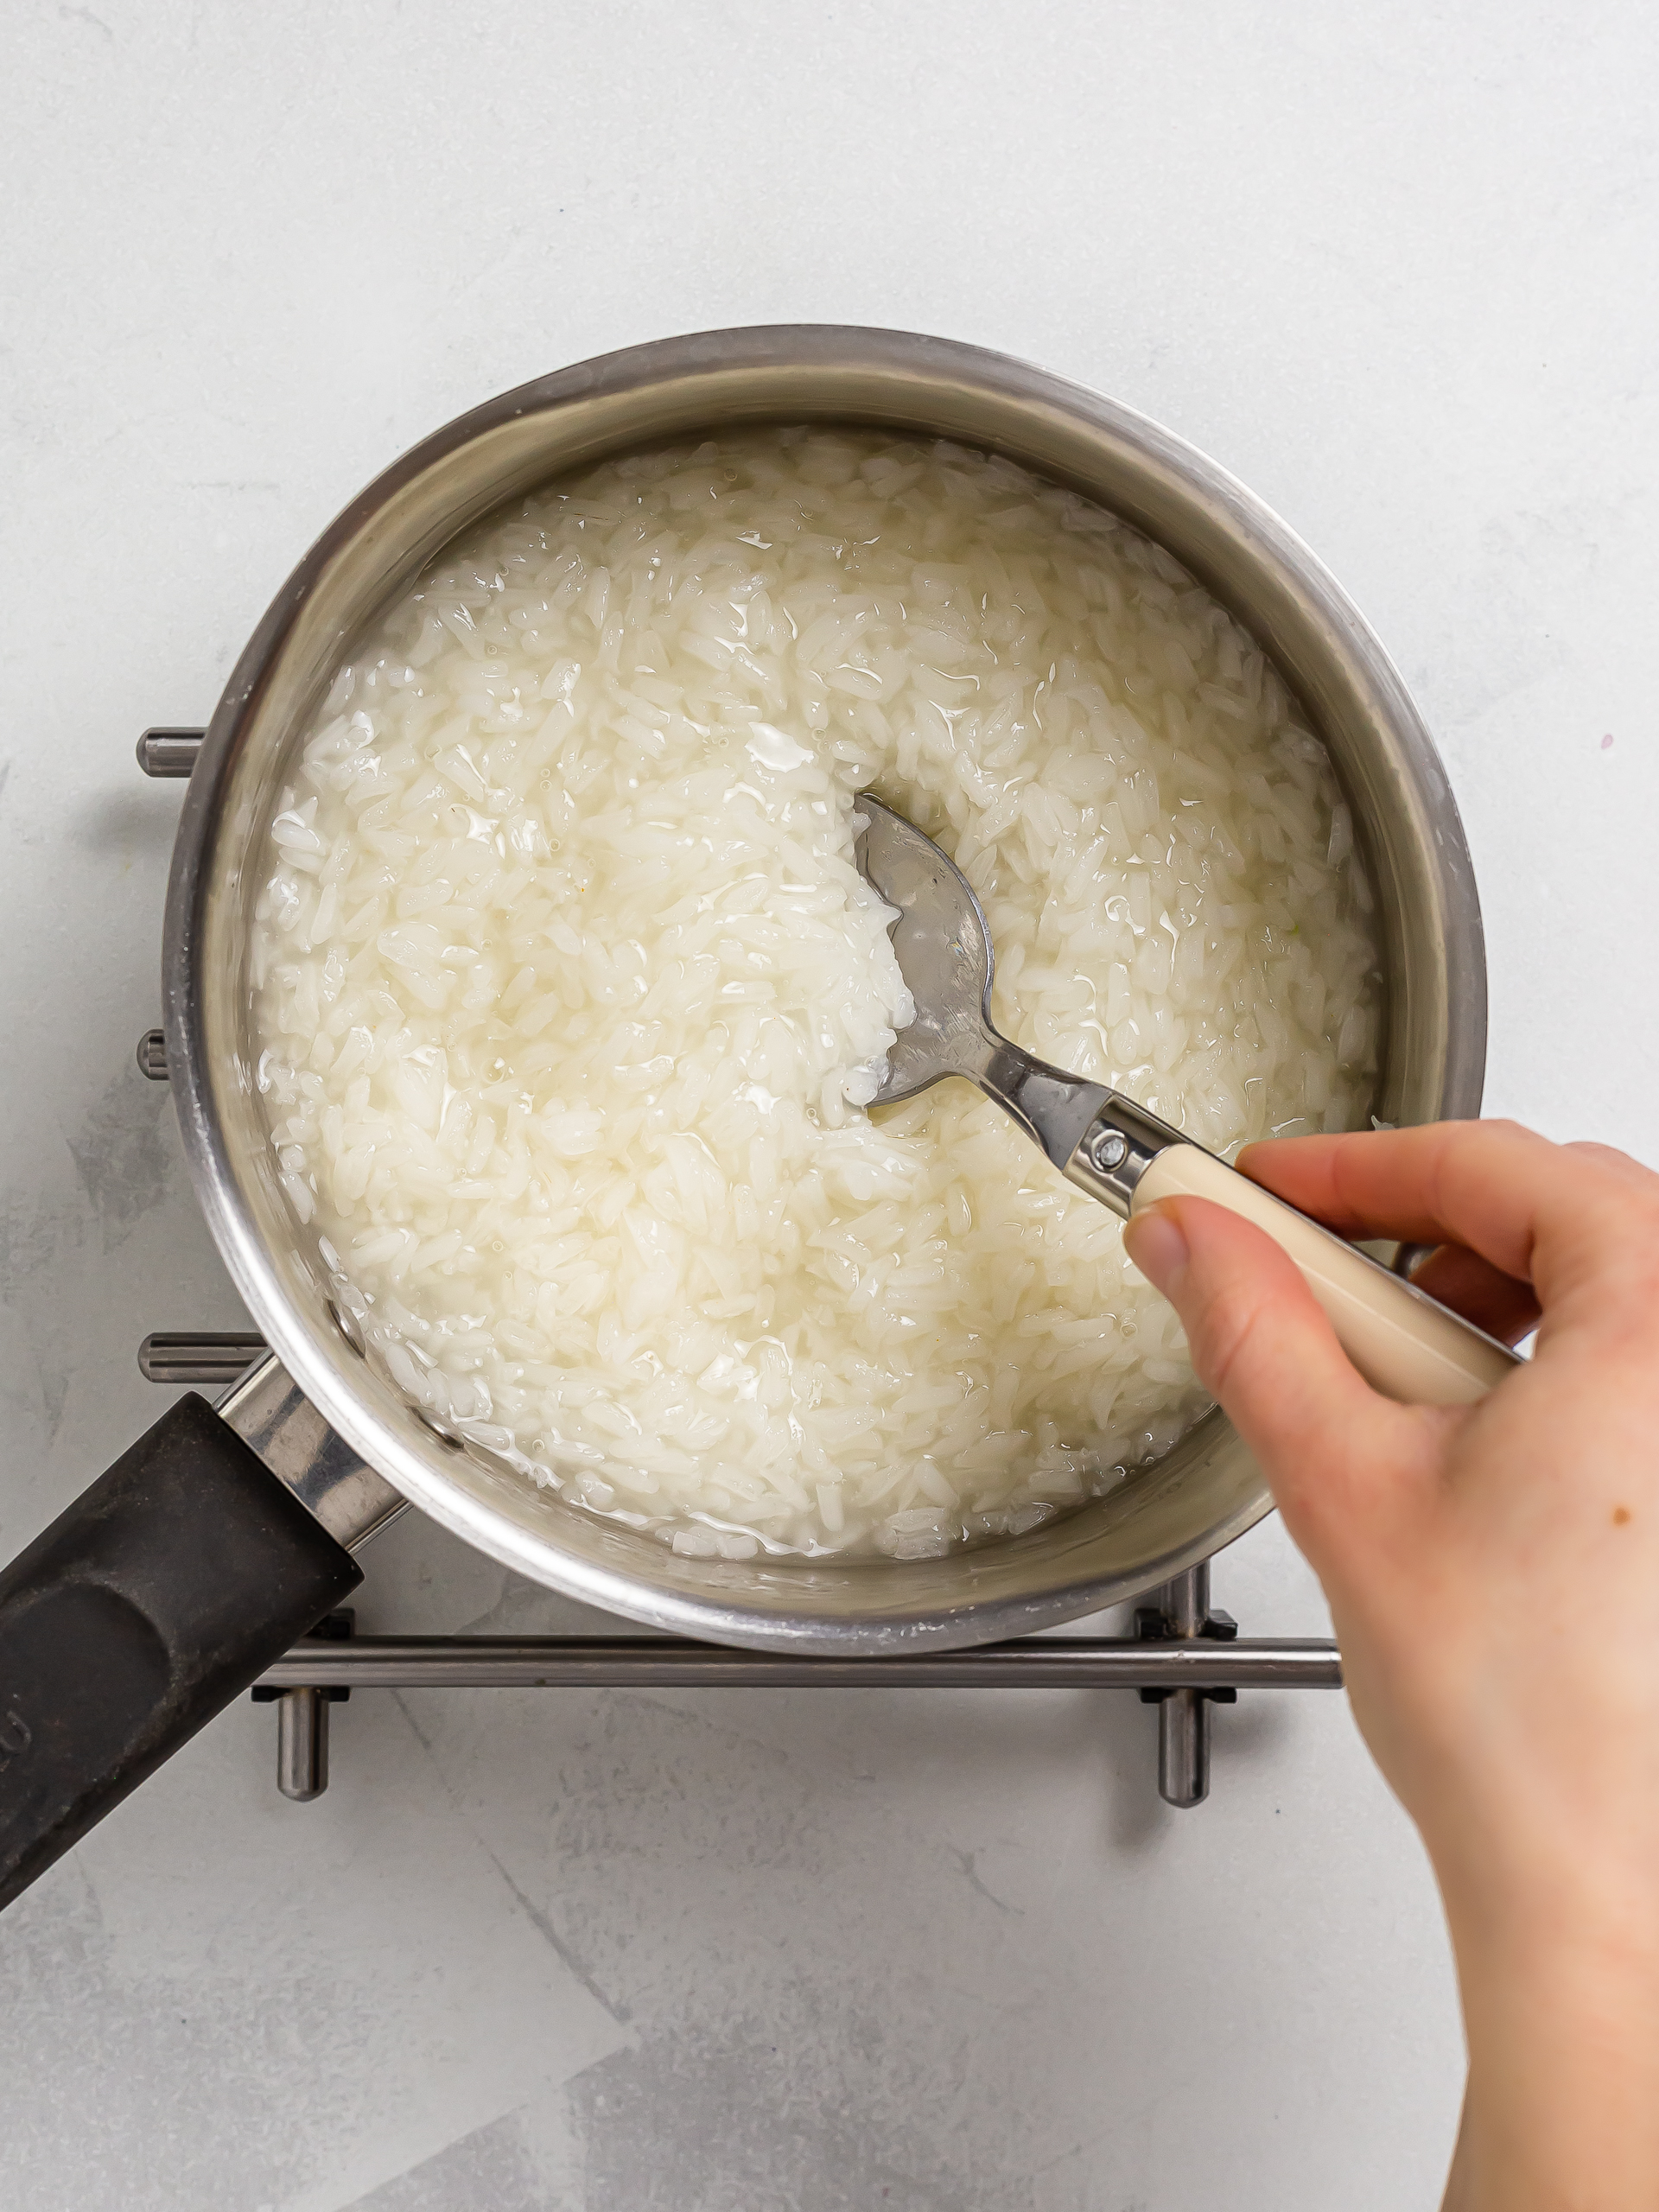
(571, 998)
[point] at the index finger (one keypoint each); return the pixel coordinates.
(1540, 1211)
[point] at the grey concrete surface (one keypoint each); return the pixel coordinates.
(770, 1952)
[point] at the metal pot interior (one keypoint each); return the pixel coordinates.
(1207, 1490)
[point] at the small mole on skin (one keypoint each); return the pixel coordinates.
(1621, 1515)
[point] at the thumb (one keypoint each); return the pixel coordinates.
(1261, 1345)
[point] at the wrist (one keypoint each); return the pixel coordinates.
(1573, 1917)
(1561, 2001)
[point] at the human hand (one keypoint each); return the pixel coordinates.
(1493, 1573)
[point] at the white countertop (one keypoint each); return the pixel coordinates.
(772, 1952)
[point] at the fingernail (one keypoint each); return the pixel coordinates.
(1153, 1240)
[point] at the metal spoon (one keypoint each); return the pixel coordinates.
(1403, 1341)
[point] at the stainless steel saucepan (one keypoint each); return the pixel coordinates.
(222, 1536)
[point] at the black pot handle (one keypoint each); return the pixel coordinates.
(157, 1597)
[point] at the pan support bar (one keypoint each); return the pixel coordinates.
(1185, 1657)
(334, 1658)
(198, 1359)
(1184, 1673)
(170, 752)
(1182, 1613)
(302, 1717)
